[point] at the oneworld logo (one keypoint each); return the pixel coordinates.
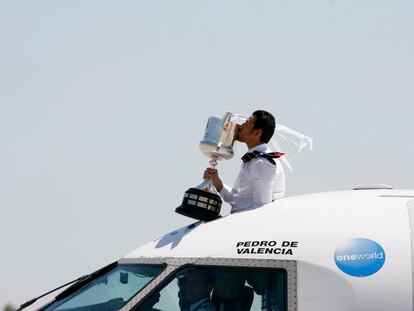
(359, 257)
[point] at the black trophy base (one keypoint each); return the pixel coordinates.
(200, 204)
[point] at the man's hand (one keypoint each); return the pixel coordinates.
(211, 173)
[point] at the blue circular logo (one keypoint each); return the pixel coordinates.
(359, 257)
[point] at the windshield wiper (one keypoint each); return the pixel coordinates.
(79, 283)
(32, 301)
(85, 280)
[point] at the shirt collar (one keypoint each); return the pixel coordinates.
(194, 305)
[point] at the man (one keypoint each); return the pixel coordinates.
(261, 179)
(194, 291)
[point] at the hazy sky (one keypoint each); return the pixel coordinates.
(103, 104)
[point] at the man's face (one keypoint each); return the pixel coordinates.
(247, 132)
(194, 287)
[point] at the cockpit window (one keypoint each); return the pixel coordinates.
(109, 291)
(218, 288)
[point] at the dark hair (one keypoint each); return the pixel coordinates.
(266, 122)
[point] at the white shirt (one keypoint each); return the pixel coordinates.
(259, 182)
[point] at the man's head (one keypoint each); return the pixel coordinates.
(194, 286)
(258, 129)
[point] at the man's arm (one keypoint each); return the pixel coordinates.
(262, 175)
(224, 190)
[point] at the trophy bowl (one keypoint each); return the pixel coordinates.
(203, 202)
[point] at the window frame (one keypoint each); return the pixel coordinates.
(174, 264)
(97, 274)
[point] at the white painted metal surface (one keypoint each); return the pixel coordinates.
(312, 230)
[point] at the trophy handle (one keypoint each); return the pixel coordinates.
(213, 163)
(208, 184)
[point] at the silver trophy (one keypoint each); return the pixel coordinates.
(203, 202)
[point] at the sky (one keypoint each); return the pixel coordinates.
(103, 105)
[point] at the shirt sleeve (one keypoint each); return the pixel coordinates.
(262, 176)
(227, 194)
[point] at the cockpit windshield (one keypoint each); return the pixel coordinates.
(109, 291)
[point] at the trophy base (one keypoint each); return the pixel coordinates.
(200, 204)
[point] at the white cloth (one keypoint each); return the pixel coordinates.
(202, 305)
(291, 138)
(259, 182)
